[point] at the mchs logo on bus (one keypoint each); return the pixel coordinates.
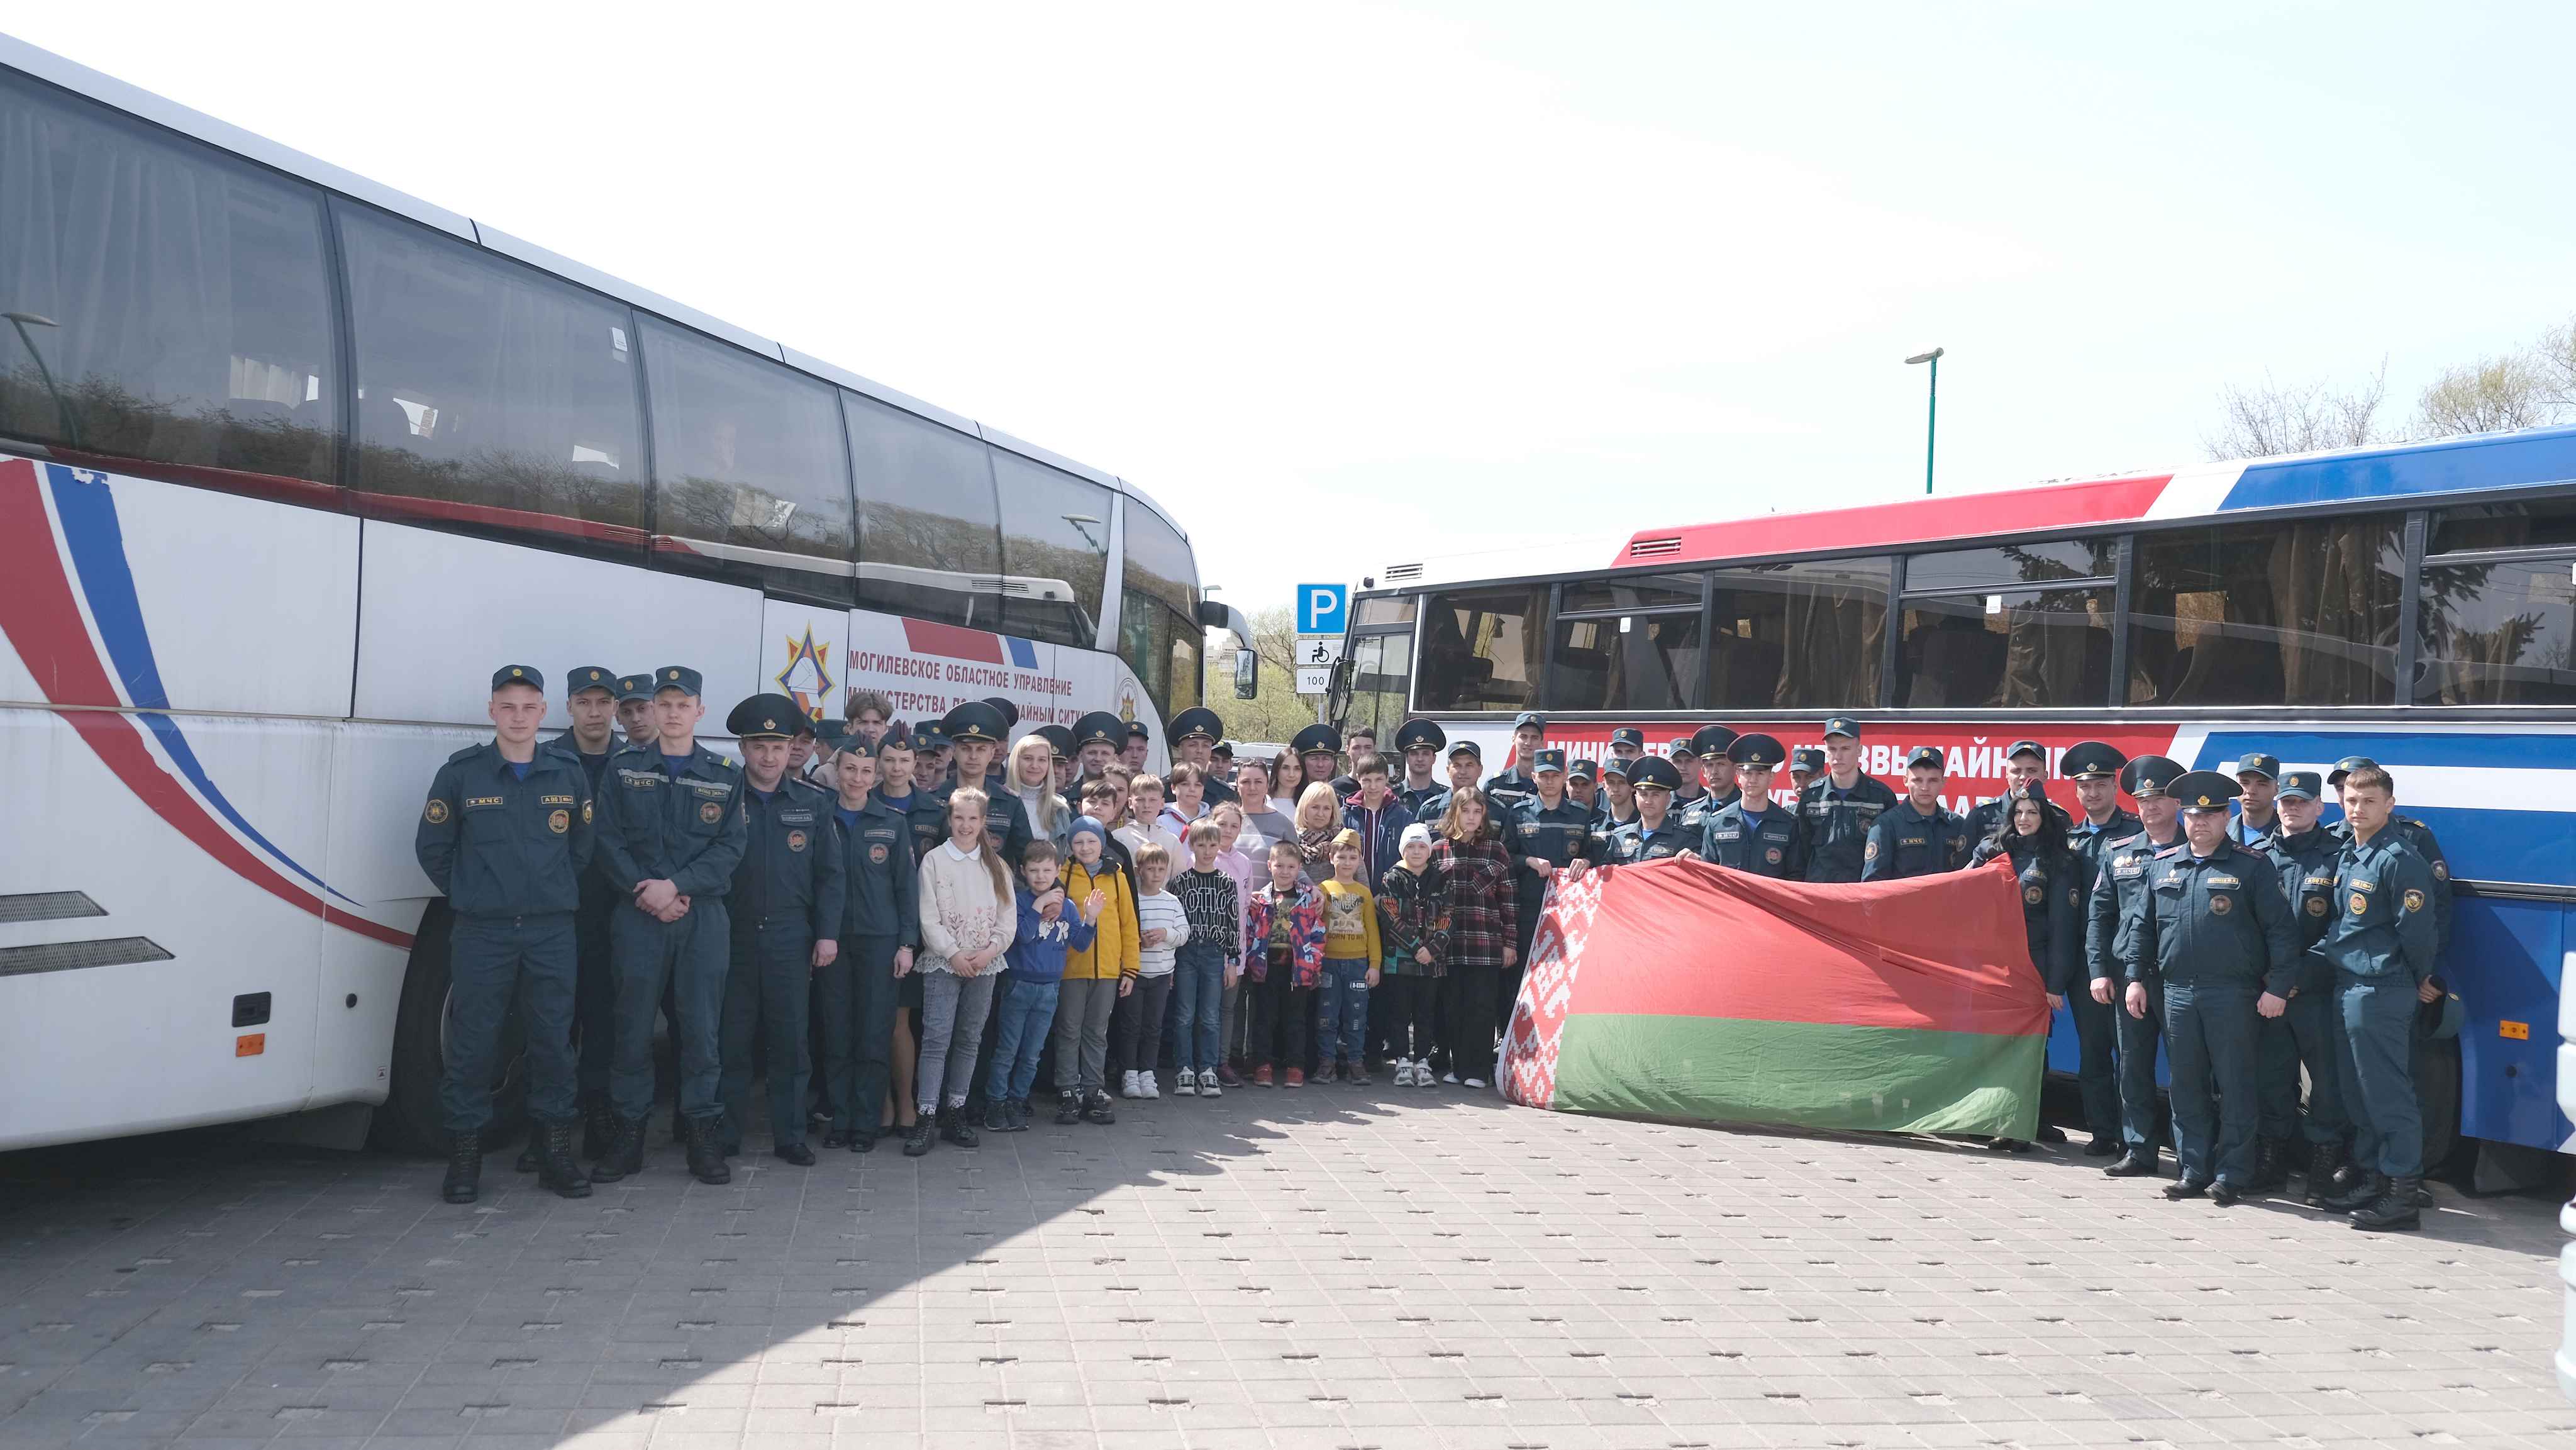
(923, 667)
(805, 680)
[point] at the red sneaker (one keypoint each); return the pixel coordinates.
(1261, 1075)
(1296, 1077)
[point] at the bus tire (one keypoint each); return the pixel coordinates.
(411, 1120)
(2437, 1098)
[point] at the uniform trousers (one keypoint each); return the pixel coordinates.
(953, 1009)
(857, 993)
(492, 961)
(2137, 1036)
(594, 1001)
(767, 990)
(2375, 1031)
(2209, 1035)
(2097, 1073)
(688, 957)
(1082, 1033)
(2304, 1033)
(1467, 997)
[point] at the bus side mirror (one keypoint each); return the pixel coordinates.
(1247, 673)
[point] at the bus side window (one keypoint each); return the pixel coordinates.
(748, 458)
(930, 535)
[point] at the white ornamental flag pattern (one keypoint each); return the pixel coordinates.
(1547, 988)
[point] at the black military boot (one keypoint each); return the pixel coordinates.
(2136, 1163)
(557, 1168)
(527, 1159)
(2365, 1189)
(706, 1161)
(2393, 1209)
(954, 1126)
(2271, 1166)
(464, 1168)
(622, 1156)
(2323, 1160)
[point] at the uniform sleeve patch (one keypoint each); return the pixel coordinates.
(2441, 870)
(435, 812)
(559, 822)
(711, 811)
(585, 813)
(2360, 903)
(2414, 901)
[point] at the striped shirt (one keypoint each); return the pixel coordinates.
(1162, 912)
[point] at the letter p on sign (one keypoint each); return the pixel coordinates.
(1322, 608)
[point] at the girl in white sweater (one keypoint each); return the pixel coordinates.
(968, 917)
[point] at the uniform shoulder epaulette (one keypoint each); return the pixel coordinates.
(807, 785)
(470, 750)
(2173, 849)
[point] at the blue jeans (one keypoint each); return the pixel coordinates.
(1201, 991)
(1022, 1019)
(1341, 1012)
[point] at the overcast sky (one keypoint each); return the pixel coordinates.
(1484, 273)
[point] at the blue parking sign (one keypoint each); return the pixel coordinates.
(1322, 608)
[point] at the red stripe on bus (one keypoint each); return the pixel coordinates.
(1916, 521)
(954, 641)
(393, 506)
(43, 623)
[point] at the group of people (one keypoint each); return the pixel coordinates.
(913, 929)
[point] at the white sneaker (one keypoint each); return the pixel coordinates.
(1422, 1074)
(1404, 1072)
(1450, 1078)
(1186, 1085)
(1127, 1086)
(1145, 1085)
(1208, 1085)
(1474, 1082)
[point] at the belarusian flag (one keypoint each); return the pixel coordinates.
(1678, 989)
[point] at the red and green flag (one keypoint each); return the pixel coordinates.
(1678, 989)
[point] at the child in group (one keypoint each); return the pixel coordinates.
(1162, 929)
(1050, 928)
(1283, 953)
(1413, 925)
(1144, 822)
(1095, 976)
(1210, 960)
(1483, 917)
(1188, 787)
(1231, 832)
(968, 917)
(1350, 966)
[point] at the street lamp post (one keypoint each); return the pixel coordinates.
(1931, 411)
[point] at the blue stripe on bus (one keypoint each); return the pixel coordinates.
(1023, 653)
(97, 544)
(2538, 847)
(2509, 461)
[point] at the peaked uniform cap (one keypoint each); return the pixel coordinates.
(679, 677)
(1711, 740)
(974, 720)
(1807, 757)
(2204, 790)
(519, 675)
(1099, 727)
(1926, 755)
(1417, 734)
(2150, 775)
(590, 677)
(1197, 723)
(1755, 750)
(2086, 759)
(634, 687)
(1317, 740)
(764, 717)
(1653, 771)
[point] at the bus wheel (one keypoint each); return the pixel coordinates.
(411, 1121)
(2437, 1096)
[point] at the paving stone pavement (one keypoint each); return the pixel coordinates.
(1332, 1267)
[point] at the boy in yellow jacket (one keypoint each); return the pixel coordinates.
(1350, 966)
(1095, 977)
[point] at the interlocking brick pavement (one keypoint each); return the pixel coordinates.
(1333, 1267)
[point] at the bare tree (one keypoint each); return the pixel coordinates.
(1278, 711)
(2272, 419)
(2555, 356)
(2490, 395)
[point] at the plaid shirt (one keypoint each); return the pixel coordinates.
(1484, 918)
(1215, 915)
(1413, 913)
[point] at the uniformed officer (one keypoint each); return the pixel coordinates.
(1319, 750)
(899, 756)
(1627, 745)
(934, 757)
(1517, 781)
(880, 930)
(590, 697)
(2258, 775)
(671, 832)
(2025, 765)
(2095, 768)
(1841, 806)
(1068, 761)
(1805, 764)
(1917, 836)
(1755, 834)
(1554, 832)
(1138, 745)
(1194, 736)
(1656, 832)
(2215, 924)
(2384, 947)
(1466, 761)
(1008, 709)
(1583, 786)
(1715, 777)
(635, 710)
(505, 835)
(975, 731)
(2419, 838)
(1618, 800)
(786, 919)
(800, 748)
(1420, 742)
(2120, 882)
(1361, 744)
(2305, 856)
(1685, 758)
